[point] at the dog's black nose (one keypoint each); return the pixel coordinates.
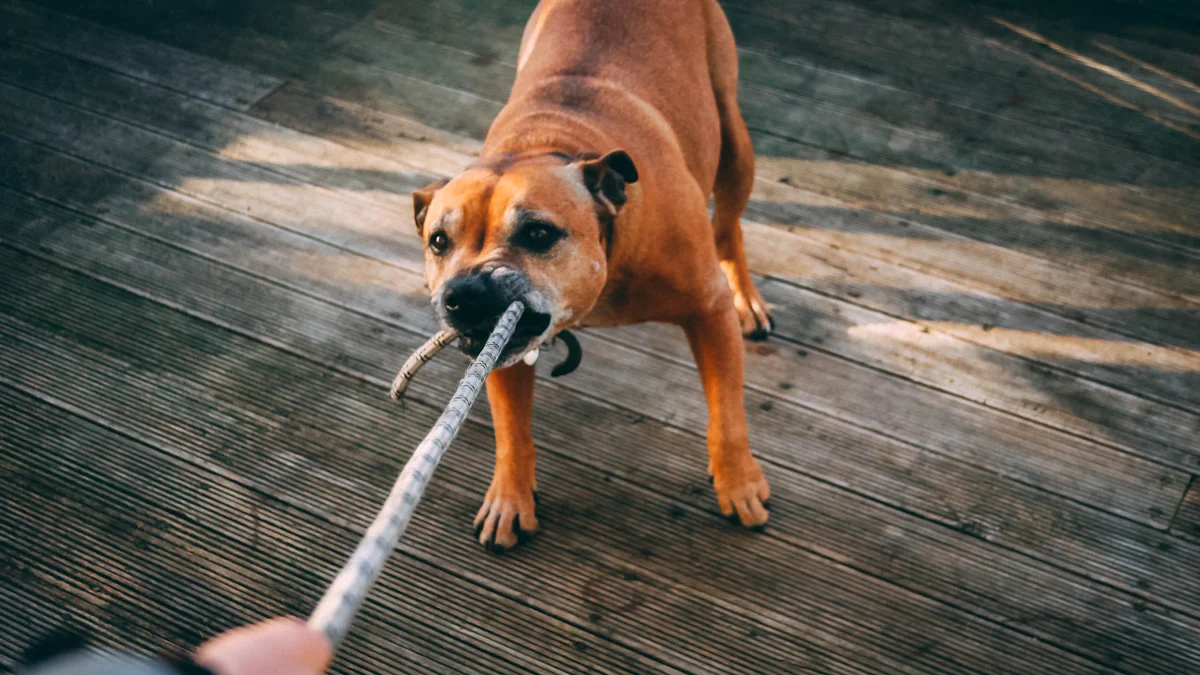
(472, 300)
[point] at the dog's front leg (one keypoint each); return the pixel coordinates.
(508, 513)
(716, 341)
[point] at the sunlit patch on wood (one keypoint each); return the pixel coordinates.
(937, 334)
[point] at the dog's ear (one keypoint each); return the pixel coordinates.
(421, 199)
(606, 178)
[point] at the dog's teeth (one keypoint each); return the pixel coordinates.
(531, 357)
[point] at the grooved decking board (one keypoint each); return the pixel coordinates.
(355, 78)
(1167, 273)
(1041, 282)
(381, 44)
(1187, 519)
(1041, 322)
(368, 228)
(177, 542)
(205, 78)
(1173, 442)
(929, 544)
(943, 304)
(735, 572)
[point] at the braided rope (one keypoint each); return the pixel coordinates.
(341, 602)
(423, 355)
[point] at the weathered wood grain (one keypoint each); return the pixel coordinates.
(827, 379)
(1048, 283)
(1187, 518)
(1016, 385)
(343, 79)
(190, 549)
(993, 527)
(1080, 417)
(1162, 27)
(204, 78)
(382, 45)
(801, 580)
(986, 82)
(1167, 374)
(1164, 273)
(896, 287)
(1040, 319)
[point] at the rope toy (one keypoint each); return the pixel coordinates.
(423, 355)
(345, 596)
(437, 343)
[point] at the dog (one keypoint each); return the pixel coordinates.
(589, 203)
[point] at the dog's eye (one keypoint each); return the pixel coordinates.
(439, 243)
(539, 237)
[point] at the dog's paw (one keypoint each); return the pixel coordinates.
(754, 313)
(743, 494)
(507, 517)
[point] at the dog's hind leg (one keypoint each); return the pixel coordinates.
(734, 181)
(742, 491)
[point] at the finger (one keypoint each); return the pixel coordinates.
(275, 647)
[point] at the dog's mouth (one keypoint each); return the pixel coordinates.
(529, 333)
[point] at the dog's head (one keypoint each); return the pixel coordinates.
(534, 228)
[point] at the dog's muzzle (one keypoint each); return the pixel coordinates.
(471, 303)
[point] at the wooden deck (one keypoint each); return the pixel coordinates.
(979, 223)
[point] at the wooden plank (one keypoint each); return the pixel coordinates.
(938, 137)
(209, 551)
(1148, 315)
(1161, 274)
(820, 87)
(235, 185)
(413, 162)
(1110, 228)
(868, 614)
(281, 209)
(991, 520)
(946, 307)
(40, 612)
(333, 492)
(948, 44)
(166, 66)
(355, 125)
(1004, 444)
(493, 35)
(1155, 263)
(877, 124)
(1157, 24)
(239, 138)
(1187, 518)
(1040, 91)
(334, 157)
(1009, 383)
(1151, 271)
(894, 287)
(421, 95)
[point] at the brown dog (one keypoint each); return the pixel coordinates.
(590, 204)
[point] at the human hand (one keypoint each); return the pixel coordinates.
(274, 647)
